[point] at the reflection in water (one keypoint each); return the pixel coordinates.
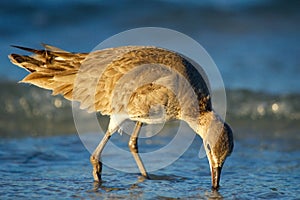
(98, 186)
(103, 186)
(136, 190)
(214, 194)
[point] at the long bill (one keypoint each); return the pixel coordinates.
(215, 177)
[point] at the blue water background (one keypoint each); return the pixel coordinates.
(254, 43)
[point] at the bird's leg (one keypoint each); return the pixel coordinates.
(133, 146)
(95, 158)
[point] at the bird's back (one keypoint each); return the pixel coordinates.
(133, 79)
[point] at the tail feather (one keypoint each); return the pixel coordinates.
(35, 51)
(53, 69)
(38, 79)
(26, 62)
(52, 48)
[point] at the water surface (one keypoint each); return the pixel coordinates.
(58, 167)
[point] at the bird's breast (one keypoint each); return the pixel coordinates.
(153, 103)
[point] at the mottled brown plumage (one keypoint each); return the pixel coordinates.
(138, 81)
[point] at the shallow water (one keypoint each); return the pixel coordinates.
(58, 167)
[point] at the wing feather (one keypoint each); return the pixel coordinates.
(92, 79)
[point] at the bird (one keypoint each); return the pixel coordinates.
(131, 82)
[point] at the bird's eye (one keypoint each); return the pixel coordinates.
(208, 146)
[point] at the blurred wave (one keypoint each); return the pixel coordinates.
(255, 44)
(31, 110)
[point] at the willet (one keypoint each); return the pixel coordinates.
(71, 75)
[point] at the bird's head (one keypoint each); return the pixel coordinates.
(218, 143)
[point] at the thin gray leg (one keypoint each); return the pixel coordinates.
(133, 146)
(95, 158)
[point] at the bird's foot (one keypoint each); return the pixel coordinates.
(97, 168)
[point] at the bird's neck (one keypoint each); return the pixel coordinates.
(202, 123)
